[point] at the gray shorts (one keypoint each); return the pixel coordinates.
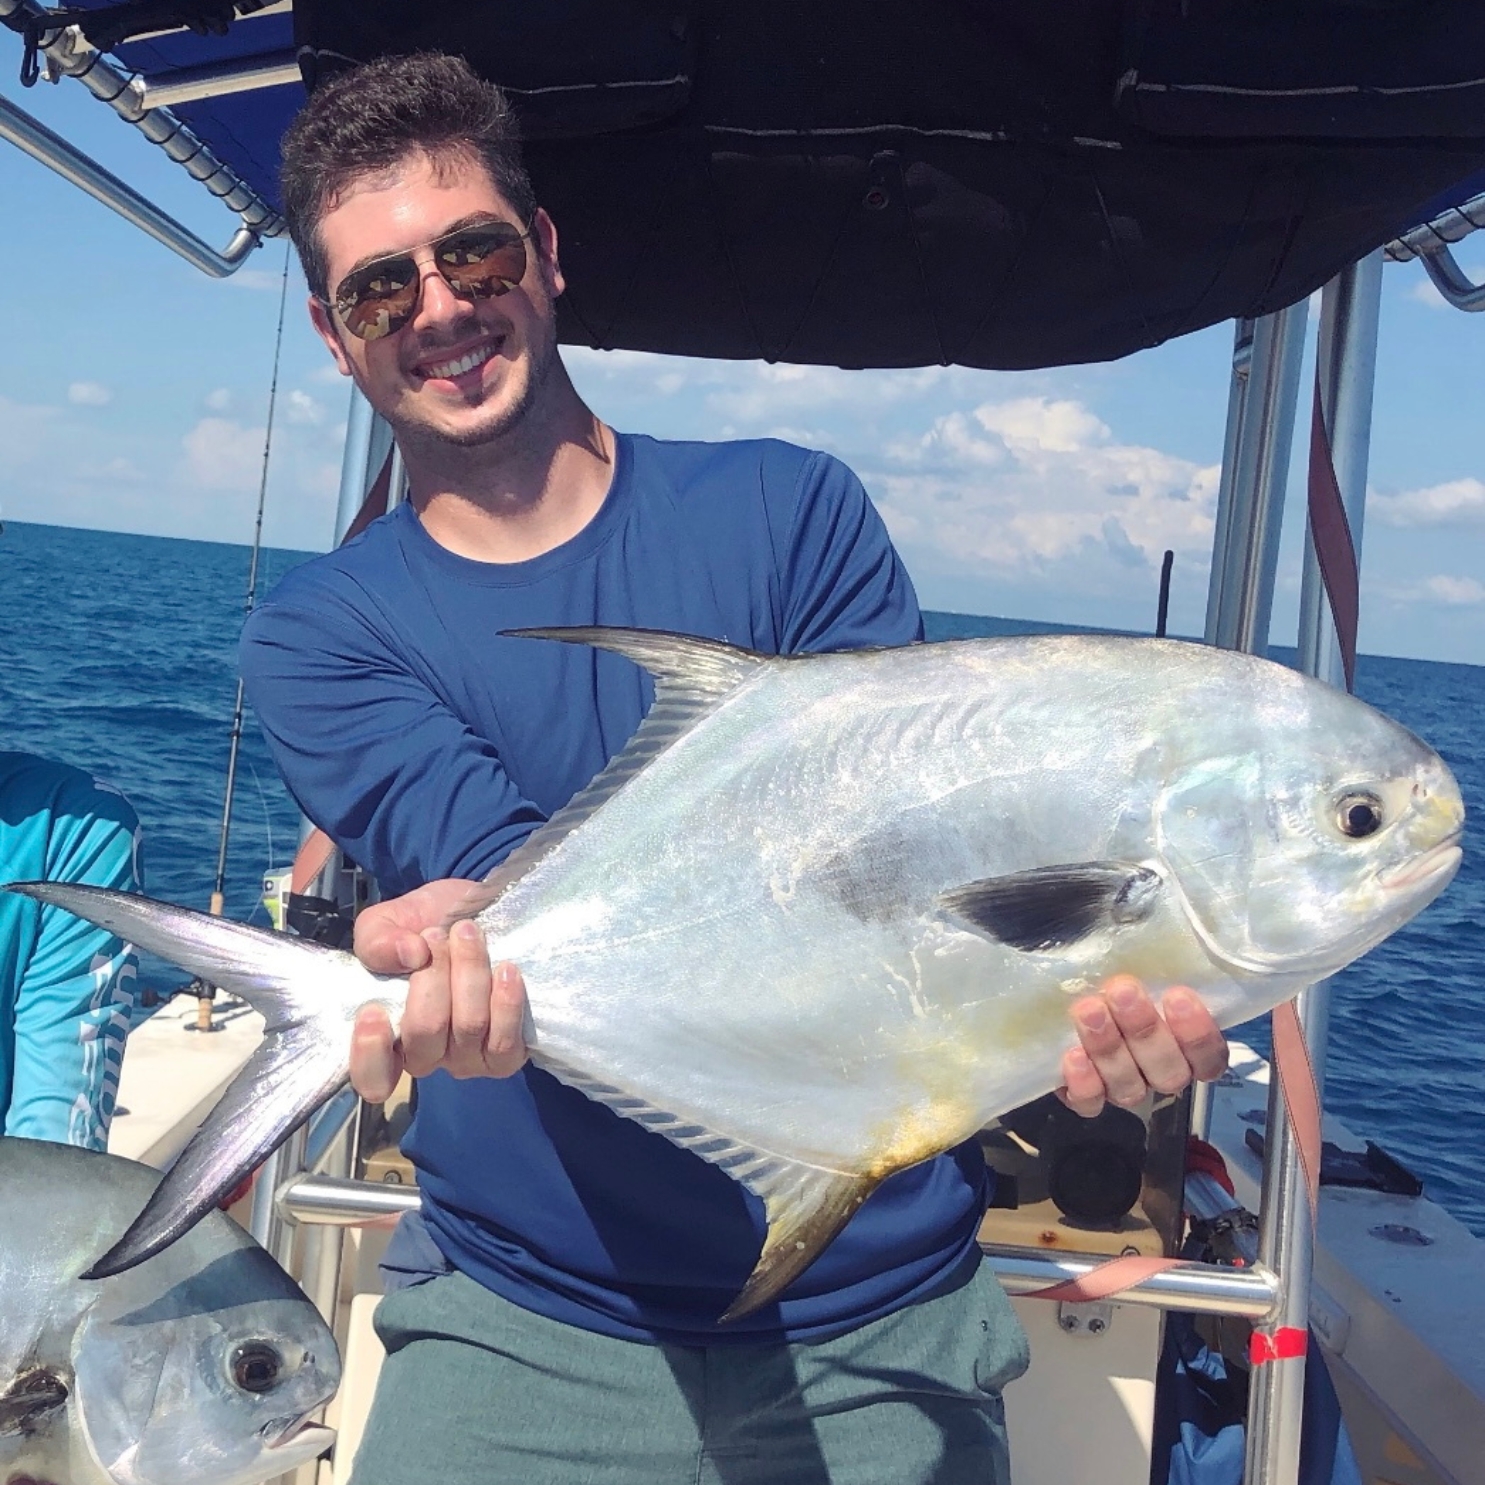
(477, 1391)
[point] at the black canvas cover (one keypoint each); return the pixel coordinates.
(992, 184)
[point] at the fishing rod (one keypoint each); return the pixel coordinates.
(206, 994)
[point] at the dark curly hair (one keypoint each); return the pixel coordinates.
(364, 121)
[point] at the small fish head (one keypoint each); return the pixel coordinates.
(1298, 847)
(207, 1380)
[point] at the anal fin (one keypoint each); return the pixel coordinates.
(806, 1205)
(806, 1208)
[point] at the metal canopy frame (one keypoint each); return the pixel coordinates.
(1431, 243)
(68, 53)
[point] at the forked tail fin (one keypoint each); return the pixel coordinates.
(306, 993)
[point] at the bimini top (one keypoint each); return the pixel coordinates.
(951, 181)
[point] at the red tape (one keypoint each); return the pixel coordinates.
(1285, 1344)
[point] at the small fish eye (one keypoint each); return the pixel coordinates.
(1359, 815)
(256, 1366)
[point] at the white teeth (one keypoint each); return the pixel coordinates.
(465, 363)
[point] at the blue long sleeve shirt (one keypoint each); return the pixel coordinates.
(67, 988)
(428, 746)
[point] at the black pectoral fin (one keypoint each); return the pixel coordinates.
(1052, 907)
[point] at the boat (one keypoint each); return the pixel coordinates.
(999, 187)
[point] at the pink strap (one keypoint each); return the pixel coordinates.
(1301, 1098)
(1335, 550)
(1105, 1280)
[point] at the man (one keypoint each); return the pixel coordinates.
(66, 987)
(566, 1274)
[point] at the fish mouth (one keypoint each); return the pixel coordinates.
(1434, 862)
(302, 1435)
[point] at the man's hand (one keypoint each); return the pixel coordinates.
(1129, 1047)
(462, 1015)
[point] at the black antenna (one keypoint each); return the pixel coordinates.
(1164, 609)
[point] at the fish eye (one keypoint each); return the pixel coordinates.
(256, 1366)
(1358, 814)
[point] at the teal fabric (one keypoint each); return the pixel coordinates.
(67, 989)
(477, 1391)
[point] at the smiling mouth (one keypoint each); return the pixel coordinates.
(458, 366)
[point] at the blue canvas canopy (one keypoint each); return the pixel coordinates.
(956, 181)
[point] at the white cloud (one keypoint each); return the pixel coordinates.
(119, 470)
(255, 278)
(89, 394)
(219, 400)
(302, 409)
(1455, 591)
(753, 395)
(1038, 424)
(23, 427)
(1034, 481)
(755, 392)
(223, 455)
(1454, 502)
(329, 375)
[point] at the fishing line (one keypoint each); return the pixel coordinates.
(267, 813)
(252, 593)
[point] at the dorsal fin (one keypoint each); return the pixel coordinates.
(684, 665)
(692, 676)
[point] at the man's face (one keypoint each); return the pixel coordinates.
(461, 371)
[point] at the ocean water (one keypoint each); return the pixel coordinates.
(118, 653)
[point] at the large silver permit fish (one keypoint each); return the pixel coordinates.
(824, 916)
(196, 1368)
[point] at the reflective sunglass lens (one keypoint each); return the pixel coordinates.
(380, 299)
(484, 261)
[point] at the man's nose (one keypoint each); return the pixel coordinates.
(438, 304)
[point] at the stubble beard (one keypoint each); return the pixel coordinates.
(505, 429)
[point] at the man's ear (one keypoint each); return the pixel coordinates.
(329, 332)
(544, 230)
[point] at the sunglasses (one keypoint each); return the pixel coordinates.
(478, 262)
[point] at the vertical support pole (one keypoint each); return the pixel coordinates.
(1255, 470)
(368, 440)
(1345, 370)
(264, 1222)
(1266, 359)
(397, 489)
(1346, 363)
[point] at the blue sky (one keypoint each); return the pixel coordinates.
(133, 392)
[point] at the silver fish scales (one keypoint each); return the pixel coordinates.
(824, 916)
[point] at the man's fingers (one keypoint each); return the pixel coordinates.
(505, 1045)
(1082, 1089)
(376, 1064)
(425, 1020)
(469, 1000)
(1200, 1038)
(1111, 1059)
(1152, 1044)
(389, 935)
(385, 946)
